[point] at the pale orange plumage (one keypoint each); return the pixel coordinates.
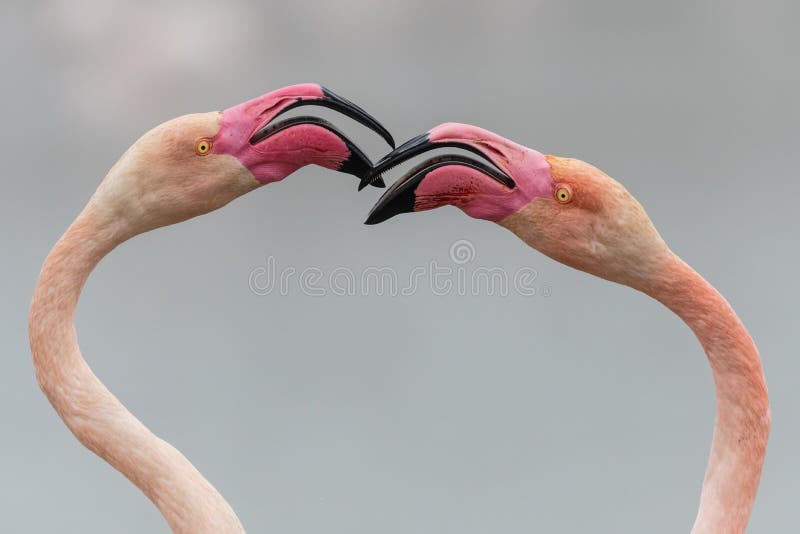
(181, 169)
(578, 215)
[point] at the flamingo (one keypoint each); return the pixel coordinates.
(183, 168)
(579, 216)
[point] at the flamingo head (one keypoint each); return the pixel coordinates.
(563, 207)
(197, 163)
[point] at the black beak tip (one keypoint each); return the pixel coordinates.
(359, 165)
(396, 200)
(371, 221)
(409, 149)
(355, 164)
(357, 113)
(378, 215)
(383, 213)
(371, 179)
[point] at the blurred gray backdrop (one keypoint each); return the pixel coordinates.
(586, 407)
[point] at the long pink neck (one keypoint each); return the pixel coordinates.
(188, 502)
(743, 419)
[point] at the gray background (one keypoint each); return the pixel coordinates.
(589, 410)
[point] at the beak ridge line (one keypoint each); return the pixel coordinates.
(421, 144)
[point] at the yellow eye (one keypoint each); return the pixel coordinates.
(202, 147)
(563, 194)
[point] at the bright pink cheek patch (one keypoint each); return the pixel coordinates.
(529, 169)
(286, 151)
(470, 190)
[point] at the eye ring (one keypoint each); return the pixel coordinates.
(202, 147)
(563, 194)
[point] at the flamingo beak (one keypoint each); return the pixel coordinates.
(401, 196)
(357, 163)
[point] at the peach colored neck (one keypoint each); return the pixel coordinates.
(188, 502)
(743, 419)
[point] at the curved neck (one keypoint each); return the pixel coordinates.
(743, 420)
(187, 501)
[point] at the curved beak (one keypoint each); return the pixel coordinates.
(357, 163)
(401, 196)
(421, 144)
(331, 100)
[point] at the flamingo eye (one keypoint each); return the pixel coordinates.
(202, 147)
(563, 194)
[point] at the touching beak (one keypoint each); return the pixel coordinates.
(401, 197)
(416, 146)
(271, 106)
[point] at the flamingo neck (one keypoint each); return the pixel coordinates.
(742, 423)
(188, 502)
